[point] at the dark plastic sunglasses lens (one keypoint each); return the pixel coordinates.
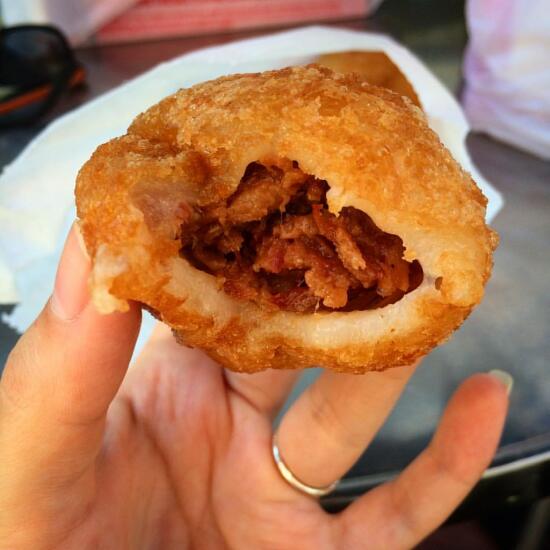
(28, 55)
(36, 67)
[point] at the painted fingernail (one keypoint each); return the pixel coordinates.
(70, 294)
(505, 378)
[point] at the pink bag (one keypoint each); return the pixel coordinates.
(507, 72)
(136, 20)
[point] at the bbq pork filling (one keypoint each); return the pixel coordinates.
(274, 242)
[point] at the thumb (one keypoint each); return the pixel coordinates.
(61, 377)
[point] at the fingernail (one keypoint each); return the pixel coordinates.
(505, 379)
(80, 238)
(70, 294)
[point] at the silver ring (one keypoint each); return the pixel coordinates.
(291, 479)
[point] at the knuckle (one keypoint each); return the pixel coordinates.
(448, 466)
(327, 417)
(23, 382)
(15, 390)
(405, 508)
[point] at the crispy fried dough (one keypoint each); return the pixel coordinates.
(378, 155)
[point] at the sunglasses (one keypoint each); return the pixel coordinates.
(36, 67)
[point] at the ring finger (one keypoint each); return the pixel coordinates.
(334, 420)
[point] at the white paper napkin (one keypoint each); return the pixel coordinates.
(36, 190)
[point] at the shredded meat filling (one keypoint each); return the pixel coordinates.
(274, 242)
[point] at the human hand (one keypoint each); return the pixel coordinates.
(178, 454)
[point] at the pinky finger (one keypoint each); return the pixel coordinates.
(402, 512)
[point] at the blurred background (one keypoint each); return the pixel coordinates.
(493, 57)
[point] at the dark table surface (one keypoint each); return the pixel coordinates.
(509, 331)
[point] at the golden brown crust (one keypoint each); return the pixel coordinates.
(377, 153)
(375, 67)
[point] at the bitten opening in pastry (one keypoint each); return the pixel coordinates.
(275, 243)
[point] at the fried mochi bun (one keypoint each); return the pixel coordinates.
(287, 219)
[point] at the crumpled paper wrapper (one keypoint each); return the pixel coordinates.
(36, 190)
